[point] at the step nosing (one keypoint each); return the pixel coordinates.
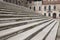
(49, 31)
(15, 25)
(21, 31)
(31, 36)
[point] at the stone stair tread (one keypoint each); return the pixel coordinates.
(2, 19)
(43, 33)
(24, 35)
(7, 20)
(18, 22)
(52, 34)
(2, 9)
(4, 27)
(2, 14)
(1, 22)
(23, 18)
(8, 31)
(15, 15)
(15, 18)
(7, 12)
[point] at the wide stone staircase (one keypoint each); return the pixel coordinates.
(21, 23)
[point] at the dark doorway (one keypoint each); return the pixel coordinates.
(54, 15)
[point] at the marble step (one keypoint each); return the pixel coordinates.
(21, 36)
(23, 18)
(7, 12)
(20, 28)
(16, 24)
(7, 20)
(29, 32)
(52, 34)
(15, 18)
(18, 14)
(58, 31)
(19, 22)
(41, 35)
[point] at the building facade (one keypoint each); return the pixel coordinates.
(36, 5)
(49, 8)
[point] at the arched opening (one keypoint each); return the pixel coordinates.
(54, 15)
